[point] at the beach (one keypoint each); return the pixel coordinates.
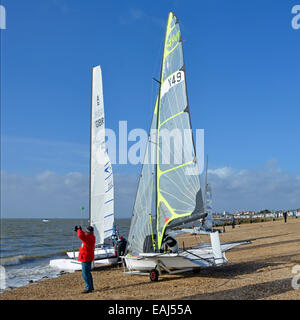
(262, 270)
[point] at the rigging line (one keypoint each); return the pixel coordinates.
(208, 261)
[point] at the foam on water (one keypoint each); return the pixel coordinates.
(27, 246)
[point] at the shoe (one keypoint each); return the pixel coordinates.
(87, 291)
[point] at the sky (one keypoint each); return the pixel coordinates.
(243, 82)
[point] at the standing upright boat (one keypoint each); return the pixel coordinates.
(101, 193)
(169, 192)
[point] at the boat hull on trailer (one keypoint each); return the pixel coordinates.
(204, 255)
(171, 261)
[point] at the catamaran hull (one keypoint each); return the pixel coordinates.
(65, 264)
(99, 252)
(75, 265)
(104, 256)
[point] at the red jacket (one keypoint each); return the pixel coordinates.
(86, 252)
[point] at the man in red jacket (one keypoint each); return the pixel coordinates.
(86, 255)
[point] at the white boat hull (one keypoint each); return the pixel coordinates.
(99, 253)
(171, 261)
(65, 264)
(75, 265)
(103, 257)
(204, 255)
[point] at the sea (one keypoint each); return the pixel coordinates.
(28, 245)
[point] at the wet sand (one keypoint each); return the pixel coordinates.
(260, 270)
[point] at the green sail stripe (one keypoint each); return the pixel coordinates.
(180, 166)
(174, 216)
(175, 115)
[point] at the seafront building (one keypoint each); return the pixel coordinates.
(252, 215)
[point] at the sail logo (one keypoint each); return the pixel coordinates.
(2, 18)
(99, 122)
(296, 18)
(98, 100)
(172, 41)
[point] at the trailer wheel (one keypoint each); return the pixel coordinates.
(153, 275)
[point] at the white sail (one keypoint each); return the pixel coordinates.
(101, 177)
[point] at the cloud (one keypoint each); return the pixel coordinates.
(135, 14)
(51, 195)
(61, 5)
(31, 154)
(44, 195)
(267, 187)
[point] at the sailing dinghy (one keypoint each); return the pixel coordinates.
(169, 193)
(101, 215)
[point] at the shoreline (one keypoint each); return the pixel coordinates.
(260, 270)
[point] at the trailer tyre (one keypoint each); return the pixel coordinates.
(153, 275)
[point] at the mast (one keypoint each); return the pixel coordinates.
(91, 124)
(157, 139)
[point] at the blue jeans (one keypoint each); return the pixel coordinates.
(87, 276)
